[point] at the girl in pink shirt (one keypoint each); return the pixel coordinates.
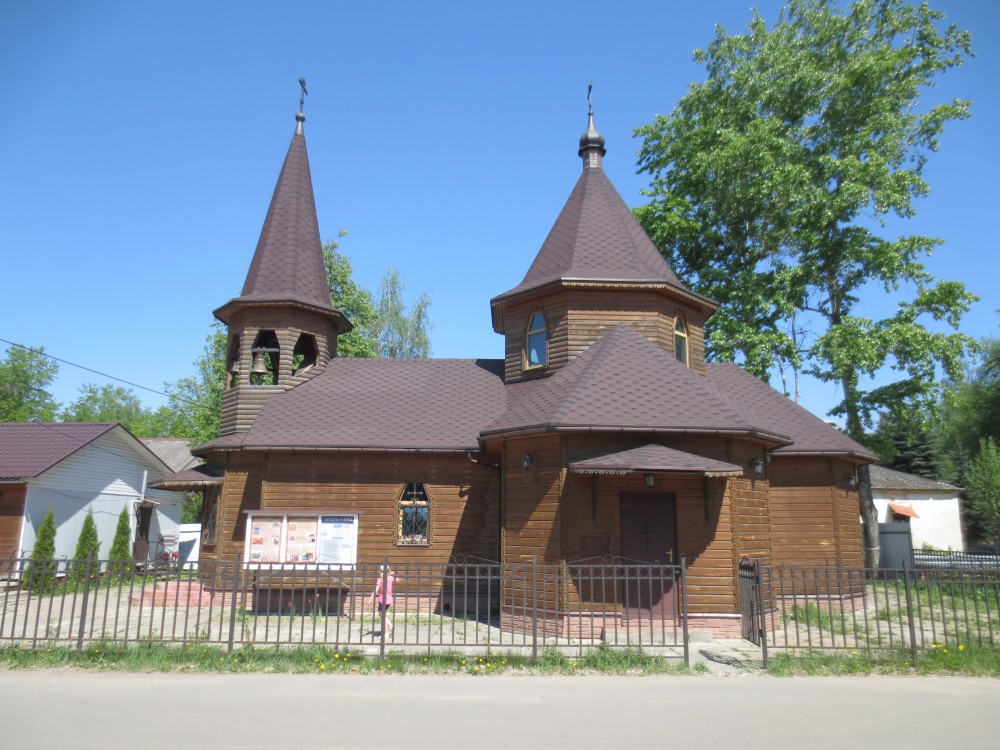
(384, 597)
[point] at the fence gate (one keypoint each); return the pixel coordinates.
(750, 599)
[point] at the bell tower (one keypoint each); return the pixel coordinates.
(282, 328)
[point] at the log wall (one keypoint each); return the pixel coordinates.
(11, 517)
(578, 318)
(464, 510)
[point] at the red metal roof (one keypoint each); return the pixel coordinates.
(903, 510)
(28, 449)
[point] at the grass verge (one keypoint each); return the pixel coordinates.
(318, 660)
(959, 661)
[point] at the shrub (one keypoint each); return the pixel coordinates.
(121, 553)
(88, 545)
(40, 573)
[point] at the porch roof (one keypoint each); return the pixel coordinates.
(903, 510)
(195, 478)
(651, 458)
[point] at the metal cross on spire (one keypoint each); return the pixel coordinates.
(590, 99)
(302, 97)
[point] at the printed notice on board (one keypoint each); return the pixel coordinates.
(338, 539)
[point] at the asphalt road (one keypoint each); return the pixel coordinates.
(78, 709)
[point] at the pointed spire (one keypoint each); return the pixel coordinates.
(288, 262)
(591, 142)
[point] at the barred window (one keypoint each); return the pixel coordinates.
(414, 525)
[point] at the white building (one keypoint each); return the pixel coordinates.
(932, 508)
(75, 468)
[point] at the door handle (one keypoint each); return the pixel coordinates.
(670, 556)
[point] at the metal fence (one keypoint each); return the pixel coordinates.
(947, 559)
(862, 610)
(462, 605)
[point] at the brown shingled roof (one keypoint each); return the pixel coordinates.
(382, 404)
(28, 449)
(623, 381)
(654, 458)
(195, 477)
(596, 238)
(809, 433)
(288, 265)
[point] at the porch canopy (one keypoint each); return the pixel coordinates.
(903, 510)
(654, 458)
(194, 479)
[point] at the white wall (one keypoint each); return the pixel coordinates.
(103, 477)
(940, 521)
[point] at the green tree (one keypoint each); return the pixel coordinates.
(764, 181)
(401, 332)
(40, 573)
(195, 402)
(25, 375)
(983, 486)
(88, 545)
(765, 174)
(383, 327)
(120, 553)
(353, 300)
(110, 403)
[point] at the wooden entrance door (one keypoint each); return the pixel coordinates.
(649, 544)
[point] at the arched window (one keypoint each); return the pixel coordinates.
(681, 340)
(536, 352)
(414, 524)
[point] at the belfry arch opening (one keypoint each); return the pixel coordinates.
(305, 354)
(265, 357)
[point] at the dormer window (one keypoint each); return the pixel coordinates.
(536, 352)
(681, 341)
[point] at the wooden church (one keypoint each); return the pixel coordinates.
(603, 434)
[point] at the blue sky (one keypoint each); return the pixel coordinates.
(140, 143)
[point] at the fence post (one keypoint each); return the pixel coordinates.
(534, 608)
(83, 604)
(684, 612)
(761, 612)
(232, 603)
(383, 611)
(907, 572)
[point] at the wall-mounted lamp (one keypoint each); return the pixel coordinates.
(527, 460)
(852, 479)
(757, 466)
(650, 480)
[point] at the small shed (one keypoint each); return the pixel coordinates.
(931, 508)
